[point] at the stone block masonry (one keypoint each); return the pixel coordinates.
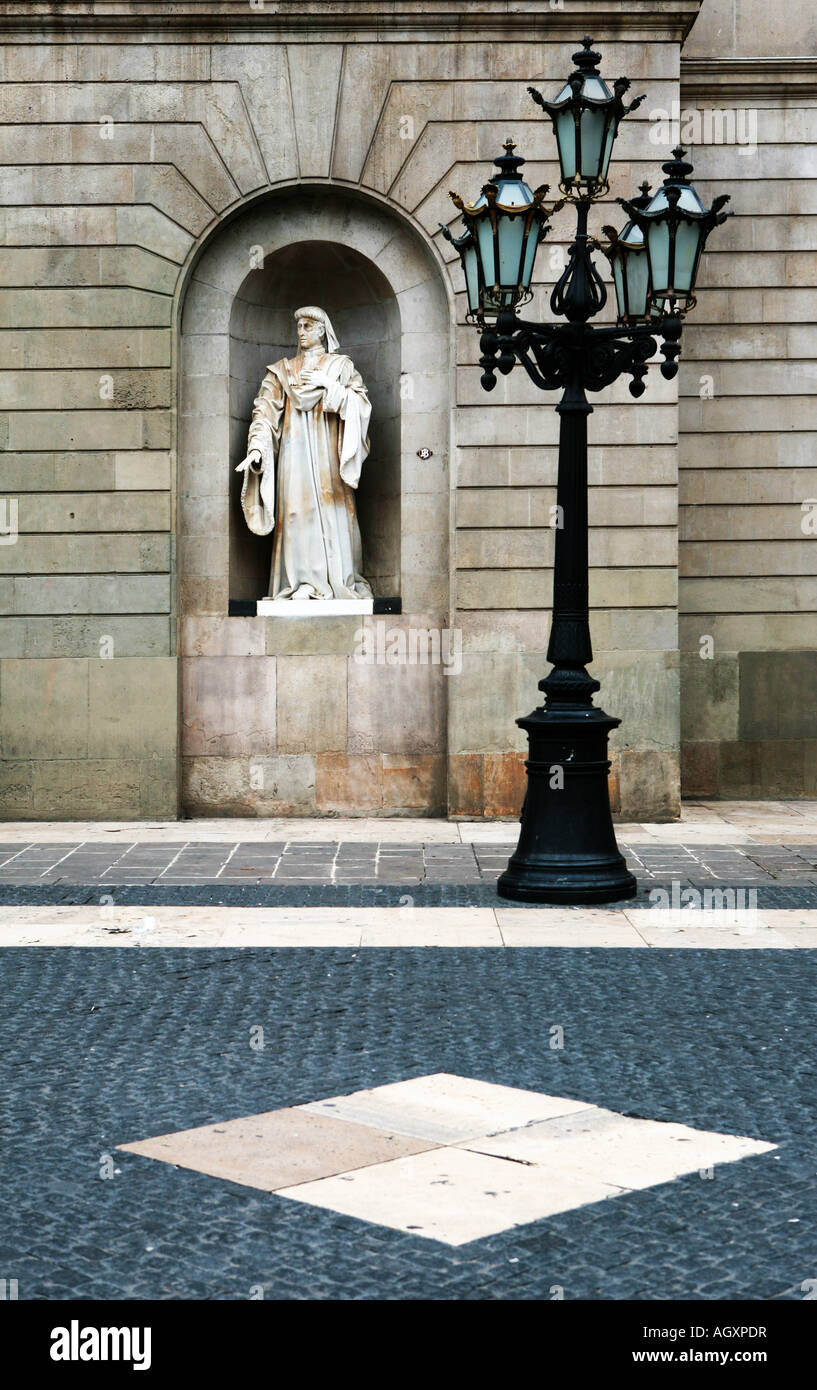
(146, 160)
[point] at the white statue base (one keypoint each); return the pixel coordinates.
(313, 607)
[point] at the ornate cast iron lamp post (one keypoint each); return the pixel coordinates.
(567, 850)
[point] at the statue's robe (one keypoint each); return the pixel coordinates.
(312, 444)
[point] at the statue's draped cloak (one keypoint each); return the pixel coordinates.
(312, 444)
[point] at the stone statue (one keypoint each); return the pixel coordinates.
(306, 446)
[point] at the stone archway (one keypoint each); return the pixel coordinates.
(278, 715)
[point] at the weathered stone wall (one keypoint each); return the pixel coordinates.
(748, 548)
(133, 140)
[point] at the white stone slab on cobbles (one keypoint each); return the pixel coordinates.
(702, 929)
(424, 930)
(385, 927)
(446, 1157)
(451, 1195)
(557, 915)
(277, 1148)
(445, 1109)
(286, 937)
(629, 1152)
(797, 927)
(536, 927)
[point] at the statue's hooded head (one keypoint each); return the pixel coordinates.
(320, 316)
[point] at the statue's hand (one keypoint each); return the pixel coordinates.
(313, 379)
(253, 457)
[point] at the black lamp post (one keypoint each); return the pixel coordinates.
(567, 850)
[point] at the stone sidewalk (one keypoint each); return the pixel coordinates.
(726, 875)
(701, 822)
(342, 861)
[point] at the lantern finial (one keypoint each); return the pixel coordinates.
(678, 168)
(586, 59)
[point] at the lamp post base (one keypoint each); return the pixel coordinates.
(567, 851)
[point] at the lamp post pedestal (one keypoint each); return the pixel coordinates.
(567, 850)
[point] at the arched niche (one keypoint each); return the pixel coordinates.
(381, 285)
(363, 308)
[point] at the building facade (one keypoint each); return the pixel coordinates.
(175, 181)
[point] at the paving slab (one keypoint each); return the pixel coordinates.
(703, 930)
(481, 930)
(628, 1152)
(276, 1149)
(407, 926)
(451, 1195)
(444, 1109)
(541, 932)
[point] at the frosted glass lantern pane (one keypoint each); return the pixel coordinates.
(689, 201)
(638, 279)
(608, 148)
(513, 193)
(469, 261)
(511, 232)
(530, 256)
(658, 247)
(596, 88)
(485, 247)
(618, 281)
(686, 245)
(566, 140)
(592, 126)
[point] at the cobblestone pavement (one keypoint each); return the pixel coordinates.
(103, 1047)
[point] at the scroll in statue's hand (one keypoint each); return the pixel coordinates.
(251, 461)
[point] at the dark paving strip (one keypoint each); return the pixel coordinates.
(295, 868)
(765, 863)
(314, 893)
(105, 1046)
(353, 864)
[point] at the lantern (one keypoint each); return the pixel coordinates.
(627, 254)
(675, 225)
(586, 116)
(502, 231)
